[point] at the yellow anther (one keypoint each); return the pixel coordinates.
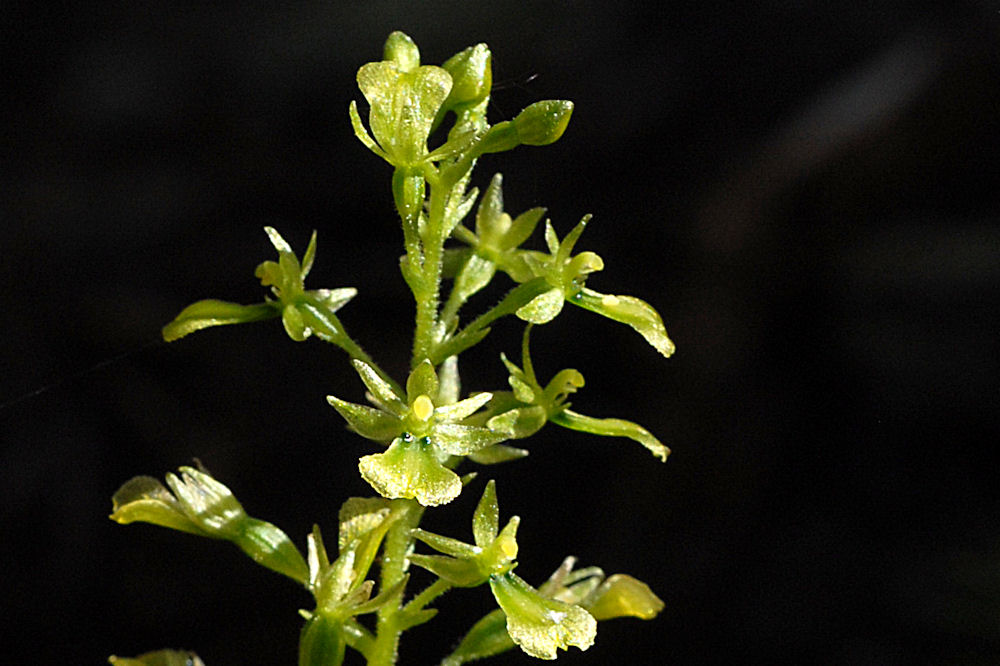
(609, 300)
(423, 408)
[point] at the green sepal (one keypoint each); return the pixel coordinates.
(403, 105)
(487, 638)
(422, 381)
(486, 518)
(366, 421)
(611, 428)
(460, 573)
(475, 274)
(272, 549)
(159, 658)
(447, 545)
(322, 641)
(520, 422)
(358, 516)
(211, 312)
(409, 469)
(637, 313)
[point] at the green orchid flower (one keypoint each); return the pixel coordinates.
(495, 242)
(427, 431)
(159, 658)
(566, 274)
(302, 312)
(467, 565)
(201, 505)
(525, 410)
(339, 586)
(616, 596)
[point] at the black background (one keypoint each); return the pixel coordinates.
(806, 191)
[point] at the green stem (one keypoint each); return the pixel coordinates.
(398, 542)
(474, 331)
(432, 592)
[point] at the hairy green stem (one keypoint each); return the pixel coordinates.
(398, 543)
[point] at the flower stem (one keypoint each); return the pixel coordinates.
(398, 543)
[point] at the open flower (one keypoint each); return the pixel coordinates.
(425, 429)
(466, 565)
(302, 312)
(539, 625)
(530, 406)
(566, 274)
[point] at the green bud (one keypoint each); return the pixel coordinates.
(543, 122)
(402, 50)
(322, 642)
(408, 188)
(499, 138)
(472, 76)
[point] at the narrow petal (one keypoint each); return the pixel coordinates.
(637, 313)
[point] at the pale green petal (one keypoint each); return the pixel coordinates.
(409, 469)
(519, 423)
(637, 313)
(358, 516)
(367, 421)
(544, 308)
(422, 381)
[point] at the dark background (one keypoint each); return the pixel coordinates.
(806, 191)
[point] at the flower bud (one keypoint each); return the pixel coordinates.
(402, 50)
(543, 122)
(472, 76)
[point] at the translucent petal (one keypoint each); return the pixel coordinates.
(381, 389)
(520, 422)
(210, 504)
(358, 516)
(279, 243)
(461, 573)
(309, 256)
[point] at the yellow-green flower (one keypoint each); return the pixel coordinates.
(303, 312)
